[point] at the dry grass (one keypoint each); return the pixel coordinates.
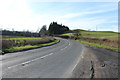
(107, 38)
(17, 43)
(107, 42)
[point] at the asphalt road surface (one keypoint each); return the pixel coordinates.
(56, 61)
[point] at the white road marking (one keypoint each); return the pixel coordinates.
(46, 55)
(81, 56)
(13, 66)
(62, 49)
(27, 62)
(66, 46)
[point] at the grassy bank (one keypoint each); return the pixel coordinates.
(13, 44)
(26, 47)
(99, 45)
(22, 38)
(103, 39)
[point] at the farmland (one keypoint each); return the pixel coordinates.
(97, 34)
(13, 44)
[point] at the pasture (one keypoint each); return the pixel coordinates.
(97, 34)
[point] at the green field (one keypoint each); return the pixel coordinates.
(96, 34)
(103, 39)
(100, 34)
(68, 34)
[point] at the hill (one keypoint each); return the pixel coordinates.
(104, 39)
(95, 34)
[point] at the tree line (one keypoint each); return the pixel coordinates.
(54, 29)
(19, 33)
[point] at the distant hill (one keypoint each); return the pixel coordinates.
(95, 34)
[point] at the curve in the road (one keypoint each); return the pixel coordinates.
(56, 61)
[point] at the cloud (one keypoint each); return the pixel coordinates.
(17, 14)
(70, 15)
(89, 12)
(91, 23)
(77, 0)
(14, 11)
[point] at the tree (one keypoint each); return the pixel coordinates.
(43, 31)
(55, 29)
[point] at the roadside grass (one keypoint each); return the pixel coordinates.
(0, 51)
(99, 45)
(24, 38)
(68, 34)
(23, 41)
(20, 48)
(103, 39)
(51, 43)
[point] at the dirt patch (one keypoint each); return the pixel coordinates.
(97, 63)
(107, 63)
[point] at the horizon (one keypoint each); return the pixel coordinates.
(33, 14)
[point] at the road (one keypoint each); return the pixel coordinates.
(56, 61)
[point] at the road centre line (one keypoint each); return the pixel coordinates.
(27, 62)
(13, 66)
(81, 56)
(46, 55)
(66, 46)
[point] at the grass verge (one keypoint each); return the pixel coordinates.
(27, 47)
(26, 38)
(99, 45)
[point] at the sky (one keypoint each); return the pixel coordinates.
(23, 15)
